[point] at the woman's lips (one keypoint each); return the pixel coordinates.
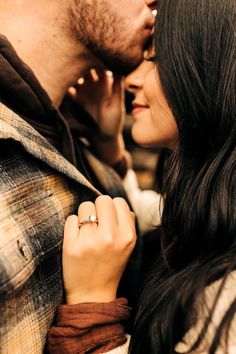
(138, 108)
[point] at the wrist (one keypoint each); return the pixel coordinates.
(109, 150)
(123, 164)
(74, 299)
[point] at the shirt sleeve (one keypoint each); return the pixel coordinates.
(89, 327)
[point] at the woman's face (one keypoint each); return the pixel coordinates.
(153, 121)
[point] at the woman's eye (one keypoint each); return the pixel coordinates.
(150, 58)
(148, 55)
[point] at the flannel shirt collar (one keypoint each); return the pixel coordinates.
(14, 127)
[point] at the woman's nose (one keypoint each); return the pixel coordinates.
(133, 82)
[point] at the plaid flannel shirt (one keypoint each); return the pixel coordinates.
(39, 188)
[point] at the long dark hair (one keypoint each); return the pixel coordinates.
(195, 48)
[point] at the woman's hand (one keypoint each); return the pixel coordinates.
(95, 255)
(102, 95)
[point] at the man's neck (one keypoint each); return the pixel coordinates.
(47, 47)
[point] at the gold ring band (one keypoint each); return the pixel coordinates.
(90, 220)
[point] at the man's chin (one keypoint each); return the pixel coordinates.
(119, 63)
(123, 67)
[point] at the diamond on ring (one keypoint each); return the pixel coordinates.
(90, 220)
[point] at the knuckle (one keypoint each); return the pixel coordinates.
(103, 198)
(70, 219)
(86, 204)
(120, 201)
(131, 239)
(108, 242)
(69, 251)
(71, 225)
(88, 250)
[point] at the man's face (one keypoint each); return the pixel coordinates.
(116, 31)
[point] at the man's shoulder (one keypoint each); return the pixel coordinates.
(13, 126)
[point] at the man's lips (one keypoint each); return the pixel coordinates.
(148, 30)
(154, 5)
(151, 22)
(149, 25)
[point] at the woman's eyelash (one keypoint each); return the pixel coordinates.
(150, 58)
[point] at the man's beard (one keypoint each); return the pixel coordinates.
(97, 28)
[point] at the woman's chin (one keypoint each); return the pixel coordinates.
(142, 141)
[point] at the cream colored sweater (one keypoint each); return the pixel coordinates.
(228, 295)
(147, 204)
